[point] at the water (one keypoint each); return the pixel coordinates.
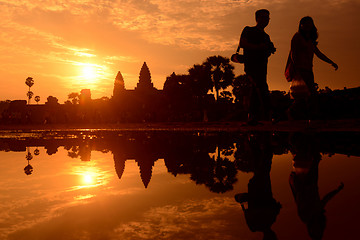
(178, 185)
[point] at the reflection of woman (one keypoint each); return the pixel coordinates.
(304, 185)
(303, 47)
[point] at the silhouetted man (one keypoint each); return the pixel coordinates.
(257, 49)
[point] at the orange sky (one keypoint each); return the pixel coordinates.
(69, 45)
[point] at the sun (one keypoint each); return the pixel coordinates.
(88, 179)
(89, 72)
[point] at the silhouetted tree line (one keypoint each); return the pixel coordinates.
(209, 92)
(233, 95)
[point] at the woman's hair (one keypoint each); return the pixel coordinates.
(313, 36)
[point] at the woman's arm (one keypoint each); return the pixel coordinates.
(331, 194)
(322, 56)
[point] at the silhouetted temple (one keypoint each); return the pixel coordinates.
(141, 103)
(144, 85)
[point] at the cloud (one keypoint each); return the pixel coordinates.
(34, 41)
(186, 23)
(207, 219)
(45, 38)
(214, 218)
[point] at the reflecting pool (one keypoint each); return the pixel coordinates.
(179, 185)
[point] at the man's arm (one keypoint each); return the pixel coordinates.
(244, 43)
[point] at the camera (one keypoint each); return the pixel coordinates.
(271, 48)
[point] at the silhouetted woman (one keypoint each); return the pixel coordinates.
(303, 47)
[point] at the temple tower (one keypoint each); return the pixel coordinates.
(119, 162)
(144, 79)
(146, 166)
(119, 85)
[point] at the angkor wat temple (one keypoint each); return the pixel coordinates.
(142, 103)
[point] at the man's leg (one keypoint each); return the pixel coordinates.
(266, 102)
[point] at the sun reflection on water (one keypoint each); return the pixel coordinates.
(84, 197)
(89, 177)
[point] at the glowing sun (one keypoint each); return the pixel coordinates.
(89, 72)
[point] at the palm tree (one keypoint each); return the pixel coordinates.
(37, 99)
(29, 94)
(200, 80)
(221, 72)
(30, 82)
(242, 89)
(200, 83)
(28, 169)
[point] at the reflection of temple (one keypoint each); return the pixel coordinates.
(183, 152)
(145, 165)
(145, 149)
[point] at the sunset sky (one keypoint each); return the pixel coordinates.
(69, 45)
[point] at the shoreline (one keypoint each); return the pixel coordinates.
(345, 125)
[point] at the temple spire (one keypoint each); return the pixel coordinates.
(146, 166)
(119, 85)
(145, 78)
(119, 162)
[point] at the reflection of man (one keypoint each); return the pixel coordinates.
(257, 49)
(304, 184)
(262, 209)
